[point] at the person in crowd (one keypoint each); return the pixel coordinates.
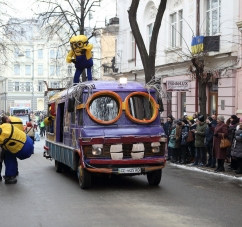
(199, 141)
(42, 128)
(209, 143)
(232, 124)
(172, 141)
(236, 150)
(184, 144)
(220, 153)
(167, 129)
(191, 144)
(162, 122)
(175, 143)
(30, 131)
(178, 137)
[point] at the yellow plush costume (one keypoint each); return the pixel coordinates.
(16, 122)
(78, 44)
(11, 138)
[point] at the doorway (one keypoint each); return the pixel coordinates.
(213, 103)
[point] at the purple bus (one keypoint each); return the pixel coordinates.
(104, 127)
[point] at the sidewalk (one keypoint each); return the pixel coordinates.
(227, 172)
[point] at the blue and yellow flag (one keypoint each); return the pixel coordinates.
(197, 44)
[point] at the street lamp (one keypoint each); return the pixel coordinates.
(22, 55)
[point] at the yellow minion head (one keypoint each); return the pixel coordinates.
(189, 118)
(79, 43)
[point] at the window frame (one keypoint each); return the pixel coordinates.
(209, 17)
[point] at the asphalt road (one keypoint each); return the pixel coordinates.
(185, 197)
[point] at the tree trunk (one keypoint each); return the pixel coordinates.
(202, 98)
(148, 61)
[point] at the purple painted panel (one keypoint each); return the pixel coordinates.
(121, 131)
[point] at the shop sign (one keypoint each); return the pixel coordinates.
(177, 85)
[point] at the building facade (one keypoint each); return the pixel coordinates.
(183, 20)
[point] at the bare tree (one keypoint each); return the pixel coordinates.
(148, 60)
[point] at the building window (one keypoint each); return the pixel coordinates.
(52, 54)
(16, 86)
(16, 69)
(180, 14)
(54, 84)
(150, 29)
(52, 70)
(213, 14)
(27, 53)
(16, 52)
(27, 86)
(27, 69)
(132, 46)
(58, 54)
(69, 71)
(40, 86)
(57, 70)
(173, 29)
(40, 69)
(40, 54)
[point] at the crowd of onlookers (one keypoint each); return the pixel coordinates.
(196, 140)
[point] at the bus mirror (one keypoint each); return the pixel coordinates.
(71, 105)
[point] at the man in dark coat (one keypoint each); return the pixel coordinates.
(237, 147)
(167, 129)
(209, 143)
(220, 153)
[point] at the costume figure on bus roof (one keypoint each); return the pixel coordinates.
(80, 54)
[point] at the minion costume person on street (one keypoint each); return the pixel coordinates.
(16, 144)
(80, 54)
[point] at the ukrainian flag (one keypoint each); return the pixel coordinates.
(197, 44)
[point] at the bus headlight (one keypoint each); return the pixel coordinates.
(155, 149)
(97, 149)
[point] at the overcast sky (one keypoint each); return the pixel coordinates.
(107, 10)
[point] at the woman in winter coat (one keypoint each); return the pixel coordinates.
(199, 141)
(175, 140)
(236, 150)
(209, 143)
(233, 123)
(220, 153)
(184, 144)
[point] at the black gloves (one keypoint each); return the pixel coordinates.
(216, 134)
(50, 118)
(73, 61)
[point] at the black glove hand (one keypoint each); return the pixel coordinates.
(73, 61)
(49, 118)
(216, 134)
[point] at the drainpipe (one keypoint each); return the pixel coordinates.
(197, 34)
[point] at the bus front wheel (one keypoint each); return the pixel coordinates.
(84, 178)
(154, 177)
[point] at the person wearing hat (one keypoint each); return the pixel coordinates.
(162, 122)
(209, 143)
(167, 129)
(184, 144)
(237, 147)
(199, 141)
(30, 131)
(233, 123)
(220, 153)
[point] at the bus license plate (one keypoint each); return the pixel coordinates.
(129, 170)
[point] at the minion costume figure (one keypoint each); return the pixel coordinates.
(16, 145)
(80, 54)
